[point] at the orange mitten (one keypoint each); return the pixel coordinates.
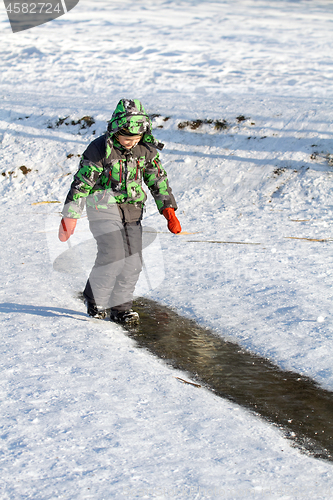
(173, 223)
(66, 228)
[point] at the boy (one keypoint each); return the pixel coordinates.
(109, 183)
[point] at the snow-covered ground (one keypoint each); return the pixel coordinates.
(84, 413)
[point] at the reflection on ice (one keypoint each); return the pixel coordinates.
(295, 403)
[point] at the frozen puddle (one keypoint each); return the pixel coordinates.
(295, 403)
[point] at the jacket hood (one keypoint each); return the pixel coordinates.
(131, 114)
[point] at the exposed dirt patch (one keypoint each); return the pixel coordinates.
(196, 124)
(70, 155)
(279, 171)
(84, 122)
(25, 170)
(322, 156)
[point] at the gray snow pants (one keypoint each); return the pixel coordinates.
(118, 264)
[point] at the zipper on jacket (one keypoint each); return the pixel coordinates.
(120, 171)
(158, 167)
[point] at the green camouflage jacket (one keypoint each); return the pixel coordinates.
(109, 174)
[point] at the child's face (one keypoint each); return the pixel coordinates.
(129, 142)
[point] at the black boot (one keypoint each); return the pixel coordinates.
(128, 317)
(95, 311)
